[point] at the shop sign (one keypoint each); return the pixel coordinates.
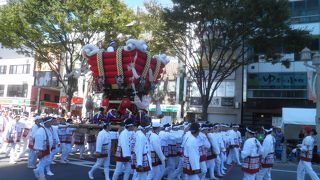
(74, 100)
(49, 104)
(297, 80)
(165, 108)
(15, 101)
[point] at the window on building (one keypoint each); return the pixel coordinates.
(3, 69)
(17, 90)
(19, 69)
(1, 90)
(46, 97)
(226, 89)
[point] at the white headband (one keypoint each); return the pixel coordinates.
(268, 130)
(250, 131)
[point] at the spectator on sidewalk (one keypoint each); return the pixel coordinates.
(279, 143)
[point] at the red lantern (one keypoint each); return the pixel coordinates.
(125, 103)
(105, 102)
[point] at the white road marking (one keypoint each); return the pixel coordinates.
(85, 163)
(280, 170)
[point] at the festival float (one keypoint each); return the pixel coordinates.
(127, 78)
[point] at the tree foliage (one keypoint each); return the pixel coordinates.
(151, 24)
(212, 37)
(56, 30)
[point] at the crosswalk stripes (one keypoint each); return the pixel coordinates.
(85, 163)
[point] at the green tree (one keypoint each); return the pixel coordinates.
(212, 37)
(152, 23)
(55, 30)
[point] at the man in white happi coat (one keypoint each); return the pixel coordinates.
(55, 146)
(142, 154)
(91, 140)
(12, 136)
(234, 146)
(163, 134)
(26, 131)
(215, 151)
(103, 150)
(32, 158)
(66, 142)
(4, 120)
(42, 146)
(221, 156)
(123, 153)
(183, 128)
(267, 156)
(191, 162)
(172, 161)
(251, 156)
(157, 155)
(306, 149)
(204, 145)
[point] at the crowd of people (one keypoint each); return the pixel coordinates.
(146, 150)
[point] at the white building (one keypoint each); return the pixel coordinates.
(16, 79)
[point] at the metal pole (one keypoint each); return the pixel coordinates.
(318, 104)
(38, 100)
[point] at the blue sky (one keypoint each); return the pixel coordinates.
(135, 3)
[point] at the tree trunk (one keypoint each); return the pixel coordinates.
(72, 85)
(68, 103)
(205, 105)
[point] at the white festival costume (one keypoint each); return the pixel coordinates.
(191, 163)
(157, 157)
(305, 159)
(234, 146)
(123, 151)
(142, 156)
(103, 147)
(43, 144)
(251, 158)
(267, 158)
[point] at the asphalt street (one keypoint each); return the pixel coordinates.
(77, 170)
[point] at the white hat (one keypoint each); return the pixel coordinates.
(268, 130)
(47, 120)
(37, 118)
(250, 131)
(235, 125)
(156, 124)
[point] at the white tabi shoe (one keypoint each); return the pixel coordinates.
(90, 175)
(49, 173)
(36, 173)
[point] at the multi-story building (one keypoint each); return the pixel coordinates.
(23, 89)
(225, 106)
(16, 74)
(270, 87)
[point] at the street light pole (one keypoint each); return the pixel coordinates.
(305, 56)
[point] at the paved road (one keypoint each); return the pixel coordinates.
(77, 170)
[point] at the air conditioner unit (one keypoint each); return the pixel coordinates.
(262, 58)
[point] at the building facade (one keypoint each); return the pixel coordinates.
(271, 87)
(225, 106)
(23, 87)
(16, 74)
